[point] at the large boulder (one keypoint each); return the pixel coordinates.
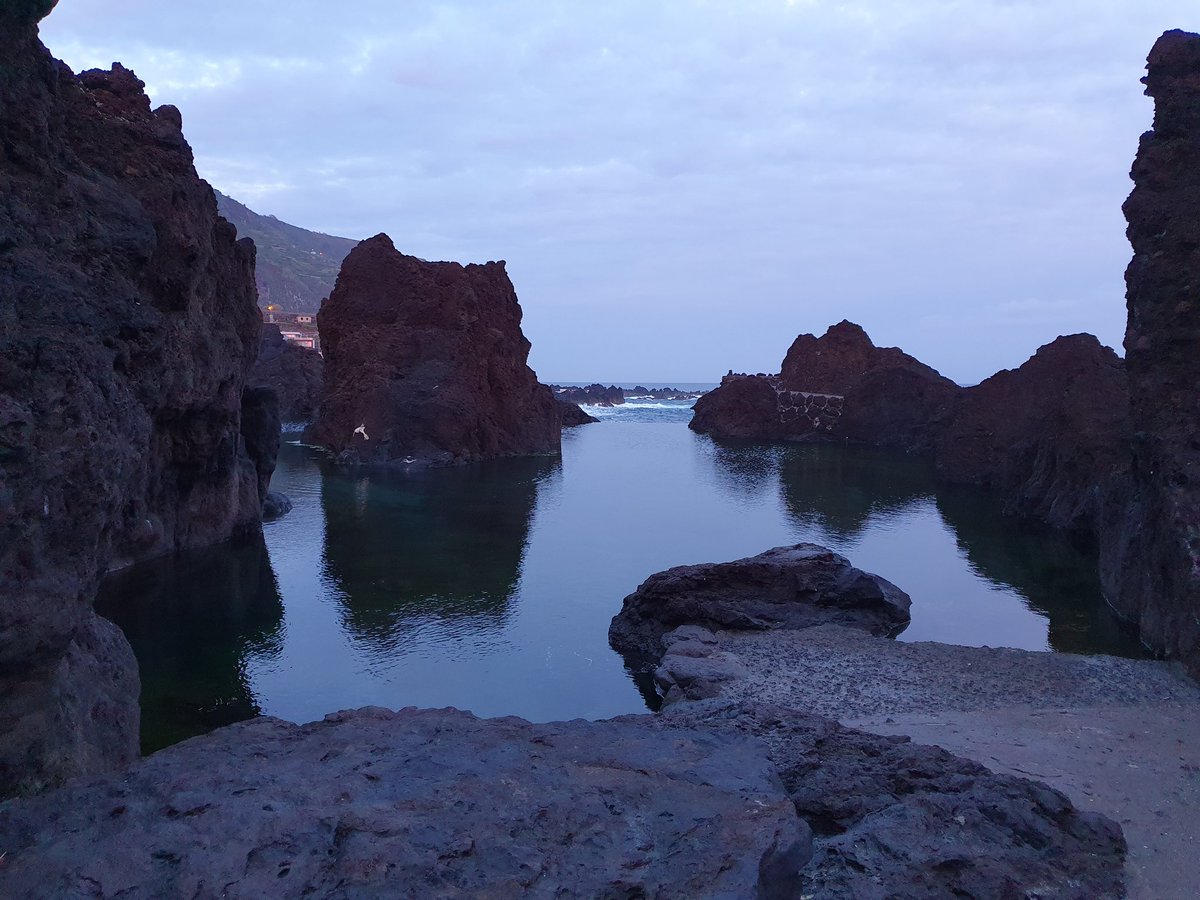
(573, 414)
(1050, 436)
(293, 372)
(128, 324)
(744, 406)
(426, 362)
(1151, 534)
(787, 587)
(420, 803)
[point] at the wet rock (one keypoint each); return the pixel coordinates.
(295, 373)
(275, 505)
(892, 819)
(426, 362)
(1050, 436)
(128, 324)
(591, 395)
(746, 407)
(787, 587)
(420, 803)
(573, 414)
(1151, 534)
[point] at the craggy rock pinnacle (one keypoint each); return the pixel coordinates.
(1151, 535)
(787, 587)
(425, 362)
(1049, 436)
(128, 323)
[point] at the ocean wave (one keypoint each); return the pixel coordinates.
(678, 404)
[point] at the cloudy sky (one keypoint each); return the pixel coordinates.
(681, 187)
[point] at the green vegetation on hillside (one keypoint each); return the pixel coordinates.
(296, 268)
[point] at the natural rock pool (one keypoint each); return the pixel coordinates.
(491, 587)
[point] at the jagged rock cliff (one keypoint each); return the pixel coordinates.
(293, 372)
(426, 362)
(127, 327)
(1049, 436)
(839, 386)
(1151, 534)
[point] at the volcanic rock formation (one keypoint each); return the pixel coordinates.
(1050, 436)
(839, 386)
(127, 327)
(426, 362)
(293, 372)
(1151, 534)
(573, 414)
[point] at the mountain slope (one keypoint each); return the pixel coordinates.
(296, 268)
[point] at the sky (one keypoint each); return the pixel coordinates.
(681, 187)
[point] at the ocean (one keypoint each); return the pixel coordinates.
(490, 587)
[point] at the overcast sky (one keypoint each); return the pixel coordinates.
(681, 187)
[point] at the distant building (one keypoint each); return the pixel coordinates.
(308, 339)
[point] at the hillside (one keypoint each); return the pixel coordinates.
(296, 268)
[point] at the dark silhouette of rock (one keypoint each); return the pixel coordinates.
(573, 414)
(127, 327)
(1150, 536)
(1049, 436)
(293, 372)
(895, 819)
(839, 386)
(592, 395)
(426, 362)
(421, 803)
(787, 587)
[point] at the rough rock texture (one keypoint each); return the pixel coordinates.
(573, 414)
(592, 395)
(292, 371)
(1151, 534)
(127, 326)
(420, 803)
(1050, 436)
(787, 587)
(429, 359)
(897, 820)
(836, 387)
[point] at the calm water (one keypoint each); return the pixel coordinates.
(491, 587)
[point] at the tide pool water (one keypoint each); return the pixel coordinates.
(490, 587)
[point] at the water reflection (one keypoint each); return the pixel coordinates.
(402, 549)
(195, 622)
(839, 490)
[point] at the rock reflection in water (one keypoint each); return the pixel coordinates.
(194, 621)
(403, 548)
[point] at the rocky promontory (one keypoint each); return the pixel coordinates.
(293, 372)
(425, 362)
(1150, 537)
(128, 325)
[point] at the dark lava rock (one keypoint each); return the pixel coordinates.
(787, 587)
(573, 414)
(592, 395)
(426, 362)
(1050, 436)
(890, 399)
(420, 803)
(897, 820)
(293, 372)
(836, 387)
(1151, 534)
(128, 324)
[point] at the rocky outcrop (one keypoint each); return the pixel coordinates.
(836, 387)
(293, 372)
(573, 414)
(895, 819)
(425, 362)
(592, 395)
(1051, 436)
(787, 587)
(127, 327)
(1151, 534)
(421, 803)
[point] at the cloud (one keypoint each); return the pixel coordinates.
(681, 187)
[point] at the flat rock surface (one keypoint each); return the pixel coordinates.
(419, 803)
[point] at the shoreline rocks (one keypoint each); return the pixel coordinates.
(425, 363)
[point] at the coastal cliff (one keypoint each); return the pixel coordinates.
(425, 362)
(1150, 541)
(127, 327)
